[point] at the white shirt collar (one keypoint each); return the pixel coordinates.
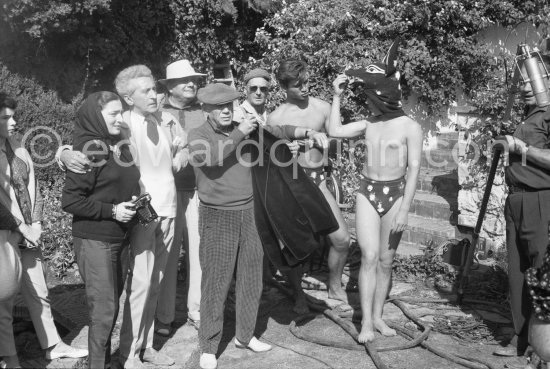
(250, 109)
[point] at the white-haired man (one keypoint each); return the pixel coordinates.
(156, 138)
(156, 141)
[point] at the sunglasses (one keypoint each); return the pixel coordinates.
(263, 89)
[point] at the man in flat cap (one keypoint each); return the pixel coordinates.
(229, 238)
(181, 85)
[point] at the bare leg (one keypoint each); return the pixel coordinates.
(388, 245)
(294, 276)
(338, 252)
(368, 237)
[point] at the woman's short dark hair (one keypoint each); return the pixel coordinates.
(291, 70)
(7, 101)
(106, 97)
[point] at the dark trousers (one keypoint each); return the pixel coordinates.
(100, 265)
(229, 241)
(527, 215)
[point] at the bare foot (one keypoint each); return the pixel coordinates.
(383, 328)
(337, 293)
(367, 333)
(300, 304)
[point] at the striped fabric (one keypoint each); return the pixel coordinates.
(229, 239)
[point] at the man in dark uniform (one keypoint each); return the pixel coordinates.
(527, 209)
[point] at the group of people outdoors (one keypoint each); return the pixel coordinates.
(196, 152)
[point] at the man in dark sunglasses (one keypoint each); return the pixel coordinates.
(257, 83)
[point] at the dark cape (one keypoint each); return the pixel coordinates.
(288, 206)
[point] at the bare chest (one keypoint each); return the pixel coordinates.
(384, 137)
(310, 118)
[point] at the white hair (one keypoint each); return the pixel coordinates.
(124, 78)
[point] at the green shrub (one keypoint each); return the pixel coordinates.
(44, 123)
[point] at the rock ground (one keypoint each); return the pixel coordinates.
(274, 318)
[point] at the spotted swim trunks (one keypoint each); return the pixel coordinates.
(382, 194)
(317, 175)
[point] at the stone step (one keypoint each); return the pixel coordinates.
(409, 249)
(437, 181)
(420, 232)
(432, 205)
(448, 137)
(423, 231)
(439, 159)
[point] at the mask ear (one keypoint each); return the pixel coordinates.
(390, 60)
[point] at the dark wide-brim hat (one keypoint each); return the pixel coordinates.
(217, 94)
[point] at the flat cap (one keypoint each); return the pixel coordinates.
(217, 94)
(257, 73)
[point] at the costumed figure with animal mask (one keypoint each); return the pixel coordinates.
(388, 180)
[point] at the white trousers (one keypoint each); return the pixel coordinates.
(149, 250)
(34, 291)
(187, 229)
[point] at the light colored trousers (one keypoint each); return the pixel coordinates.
(149, 250)
(35, 295)
(187, 229)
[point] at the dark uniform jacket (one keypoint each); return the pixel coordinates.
(288, 206)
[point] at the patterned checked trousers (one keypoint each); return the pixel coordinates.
(229, 243)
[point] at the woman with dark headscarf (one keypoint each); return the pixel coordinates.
(100, 201)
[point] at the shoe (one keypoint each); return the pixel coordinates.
(131, 364)
(150, 355)
(508, 351)
(208, 361)
(163, 329)
(194, 323)
(10, 362)
(62, 350)
(254, 345)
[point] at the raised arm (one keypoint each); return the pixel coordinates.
(335, 127)
(414, 155)
(292, 133)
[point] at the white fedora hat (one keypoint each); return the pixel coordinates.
(180, 69)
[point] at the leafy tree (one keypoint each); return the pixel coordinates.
(440, 50)
(77, 46)
(440, 53)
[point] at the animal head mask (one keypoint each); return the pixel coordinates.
(380, 82)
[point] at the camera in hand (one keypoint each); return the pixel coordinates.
(144, 210)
